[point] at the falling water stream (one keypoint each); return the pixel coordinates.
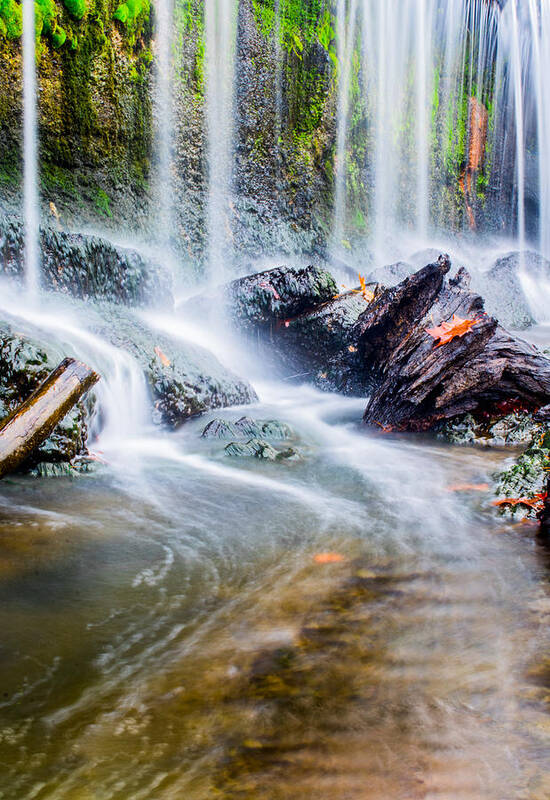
(220, 29)
(31, 204)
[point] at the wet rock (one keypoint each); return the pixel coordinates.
(301, 327)
(528, 476)
(392, 274)
(86, 266)
(271, 429)
(266, 299)
(220, 429)
(503, 291)
(24, 364)
(256, 448)
(184, 379)
(543, 414)
(513, 429)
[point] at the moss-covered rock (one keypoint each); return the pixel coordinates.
(24, 364)
(86, 266)
(184, 379)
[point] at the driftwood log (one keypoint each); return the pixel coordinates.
(418, 383)
(33, 421)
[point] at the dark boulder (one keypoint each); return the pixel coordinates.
(266, 299)
(86, 266)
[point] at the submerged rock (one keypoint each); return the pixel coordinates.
(270, 429)
(86, 266)
(512, 429)
(24, 364)
(256, 448)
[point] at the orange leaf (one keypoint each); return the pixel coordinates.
(367, 294)
(352, 349)
(164, 360)
(447, 331)
(328, 558)
(536, 502)
(469, 487)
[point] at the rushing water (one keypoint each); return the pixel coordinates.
(164, 13)
(220, 31)
(451, 86)
(31, 206)
(169, 634)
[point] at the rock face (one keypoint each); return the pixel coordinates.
(86, 266)
(24, 364)
(94, 112)
(502, 288)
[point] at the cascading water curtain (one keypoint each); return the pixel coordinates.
(162, 107)
(458, 116)
(346, 22)
(31, 203)
(220, 30)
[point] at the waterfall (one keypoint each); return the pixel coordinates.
(539, 23)
(277, 34)
(398, 70)
(456, 105)
(220, 28)
(163, 120)
(345, 40)
(31, 203)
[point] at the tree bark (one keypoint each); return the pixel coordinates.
(33, 421)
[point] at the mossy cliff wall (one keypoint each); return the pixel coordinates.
(94, 109)
(96, 65)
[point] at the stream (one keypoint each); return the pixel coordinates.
(169, 632)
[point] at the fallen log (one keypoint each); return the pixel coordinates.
(33, 421)
(421, 382)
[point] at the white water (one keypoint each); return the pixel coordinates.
(420, 59)
(346, 17)
(31, 203)
(164, 14)
(220, 28)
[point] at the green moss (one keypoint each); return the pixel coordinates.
(59, 37)
(76, 8)
(11, 16)
(103, 203)
(132, 14)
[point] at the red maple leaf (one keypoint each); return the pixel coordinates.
(447, 331)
